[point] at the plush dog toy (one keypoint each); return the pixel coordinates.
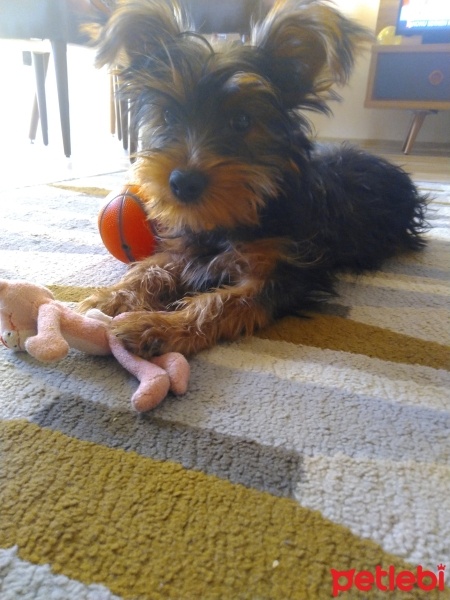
(33, 321)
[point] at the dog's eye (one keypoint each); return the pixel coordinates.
(240, 122)
(170, 117)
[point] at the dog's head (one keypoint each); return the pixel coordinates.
(220, 127)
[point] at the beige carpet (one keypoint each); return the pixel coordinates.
(318, 445)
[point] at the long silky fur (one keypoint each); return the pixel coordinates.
(270, 216)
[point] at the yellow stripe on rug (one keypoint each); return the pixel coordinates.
(338, 333)
(87, 190)
(103, 515)
(68, 293)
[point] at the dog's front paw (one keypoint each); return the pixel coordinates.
(149, 333)
(109, 303)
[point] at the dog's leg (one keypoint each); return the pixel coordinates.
(200, 322)
(151, 284)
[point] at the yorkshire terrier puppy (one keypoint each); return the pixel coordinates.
(255, 220)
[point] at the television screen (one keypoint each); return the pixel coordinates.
(429, 18)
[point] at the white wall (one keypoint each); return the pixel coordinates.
(351, 120)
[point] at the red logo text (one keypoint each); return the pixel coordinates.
(388, 580)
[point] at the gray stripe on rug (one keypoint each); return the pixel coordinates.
(39, 244)
(416, 271)
(362, 294)
(267, 469)
(310, 419)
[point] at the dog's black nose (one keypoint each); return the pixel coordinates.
(187, 186)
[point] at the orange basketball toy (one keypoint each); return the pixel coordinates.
(123, 226)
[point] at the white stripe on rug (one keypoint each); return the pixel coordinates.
(22, 579)
(391, 382)
(422, 323)
(74, 269)
(404, 506)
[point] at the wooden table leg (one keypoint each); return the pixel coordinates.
(416, 124)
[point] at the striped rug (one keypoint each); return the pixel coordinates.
(309, 461)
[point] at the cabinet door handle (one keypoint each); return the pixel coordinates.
(436, 77)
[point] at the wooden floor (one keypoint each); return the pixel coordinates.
(427, 162)
(425, 168)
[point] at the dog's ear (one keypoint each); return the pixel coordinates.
(136, 29)
(307, 46)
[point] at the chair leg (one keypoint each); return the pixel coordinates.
(133, 135)
(35, 110)
(40, 62)
(124, 122)
(117, 108)
(112, 106)
(60, 57)
(133, 145)
(34, 120)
